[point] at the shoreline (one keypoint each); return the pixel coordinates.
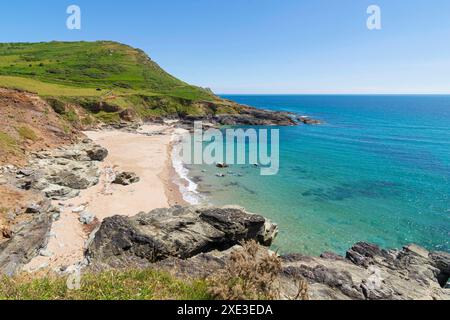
(148, 153)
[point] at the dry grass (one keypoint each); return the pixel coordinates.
(27, 133)
(250, 275)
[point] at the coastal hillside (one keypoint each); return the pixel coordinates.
(50, 91)
(114, 82)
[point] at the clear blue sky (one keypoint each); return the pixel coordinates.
(262, 46)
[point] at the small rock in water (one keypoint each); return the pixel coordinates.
(126, 178)
(220, 175)
(86, 218)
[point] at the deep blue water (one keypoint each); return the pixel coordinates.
(378, 170)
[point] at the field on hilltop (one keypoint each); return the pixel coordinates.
(102, 77)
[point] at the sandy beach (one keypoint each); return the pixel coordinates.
(146, 155)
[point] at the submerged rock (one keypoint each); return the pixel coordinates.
(176, 232)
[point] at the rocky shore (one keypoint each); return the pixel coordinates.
(189, 241)
(249, 116)
(198, 242)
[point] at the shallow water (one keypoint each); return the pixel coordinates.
(378, 171)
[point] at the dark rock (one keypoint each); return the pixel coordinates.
(73, 179)
(407, 274)
(33, 208)
(222, 165)
(180, 232)
(309, 121)
(97, 153)
(126, 178)
(441, 260)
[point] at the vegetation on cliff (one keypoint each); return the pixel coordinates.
(104, 77)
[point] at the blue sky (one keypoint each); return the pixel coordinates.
(262, 46)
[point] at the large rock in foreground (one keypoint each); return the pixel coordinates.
(369, 272)
(366, 273)
(181, 232)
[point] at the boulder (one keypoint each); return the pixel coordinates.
(97, 153)
(180, 232)
(126, 178)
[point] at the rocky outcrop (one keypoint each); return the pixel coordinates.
(27, 238)
(250, 116)
(411, 273)
(198, 242)
(126, 178)
(368, 272)
(61, 173)
(181, 232)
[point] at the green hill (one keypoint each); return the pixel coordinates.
(103, 77)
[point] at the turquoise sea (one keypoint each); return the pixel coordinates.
(378, 170)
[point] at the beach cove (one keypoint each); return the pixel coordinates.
(146, 153)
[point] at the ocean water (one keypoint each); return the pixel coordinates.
(378, 170)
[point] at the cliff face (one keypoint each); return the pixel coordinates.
(28, 123)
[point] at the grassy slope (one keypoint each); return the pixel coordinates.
(88, 73)
(114, 285)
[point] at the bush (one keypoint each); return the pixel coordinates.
(27, 133)
(250, 275)
(57, 105)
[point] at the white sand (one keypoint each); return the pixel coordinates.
(148, 157)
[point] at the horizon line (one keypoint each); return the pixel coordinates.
(335, 94)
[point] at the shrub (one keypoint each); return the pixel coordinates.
(57, 105)
(250, 275)
(7, 142)
(27, 133)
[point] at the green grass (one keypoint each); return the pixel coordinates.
(114, 285)
(45, 89)
(7, 142)
(89, 73)
(27, 133)
(89, 66)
